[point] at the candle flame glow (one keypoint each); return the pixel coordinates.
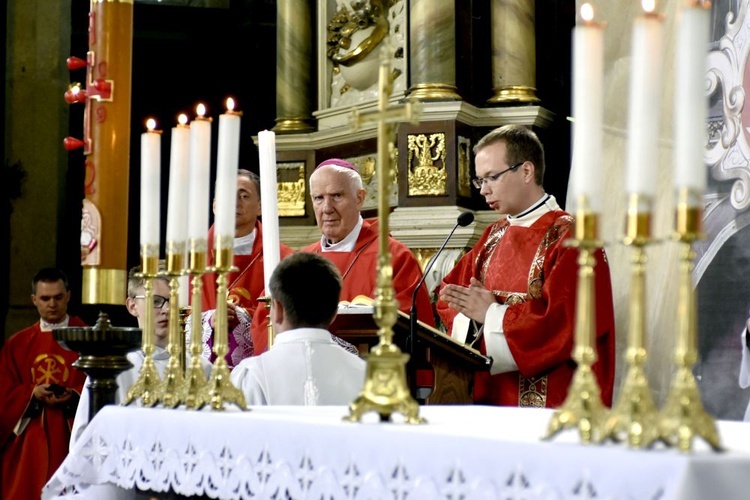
(230, 104)
(182, 119)
(200, 109)
(648, 5)
(151, 124)
(587, 12)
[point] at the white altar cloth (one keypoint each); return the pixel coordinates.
(469, 452)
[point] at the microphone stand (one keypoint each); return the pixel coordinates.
(464, 219)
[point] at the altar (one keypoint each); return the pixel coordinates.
(309, 452)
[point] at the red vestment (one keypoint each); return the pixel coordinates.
(245, 287)
(27, 460)
(358, 271)
(531, 270)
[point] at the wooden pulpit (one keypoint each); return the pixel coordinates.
(452, 363)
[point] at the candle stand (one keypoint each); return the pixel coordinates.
(194, 383)
(147, 387)
(583, 407)
(634, 416)
(174, 375)
(683, 417)
(220, 390)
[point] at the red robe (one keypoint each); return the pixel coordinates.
(245, 286)
(358, 269)
(531, 270)
(27, 461)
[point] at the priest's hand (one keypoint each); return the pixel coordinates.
(45, 395)
(232, 319)
(472, 301)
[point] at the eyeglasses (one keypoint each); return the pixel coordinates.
(159, 301)
(480, 181)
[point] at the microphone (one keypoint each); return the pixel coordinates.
(464, 219)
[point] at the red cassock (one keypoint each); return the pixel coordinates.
(358, 269)
(532, 271)
(246, 285)
(29, 358)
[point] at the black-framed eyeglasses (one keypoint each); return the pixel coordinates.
(159, 300)
(480, 181)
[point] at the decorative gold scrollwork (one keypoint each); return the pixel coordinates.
(428, 177)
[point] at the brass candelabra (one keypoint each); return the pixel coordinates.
(194, 384)
(683, 417)
(220, 390)
(148, 387)
(583, 407)
(634, 416)
(174, 376)
(385, 389)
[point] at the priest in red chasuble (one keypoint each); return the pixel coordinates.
(39, 390)
(246, 285)
(519, 283)
(351, 243)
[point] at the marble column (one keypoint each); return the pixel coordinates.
(513, 52)
(432, 52)
(294, 58)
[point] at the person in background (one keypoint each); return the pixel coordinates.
(350, 242)
(135, 303)
(39, 389)
(519, 281)
(305, 366)
(247, 283)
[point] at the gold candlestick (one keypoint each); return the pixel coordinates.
(634, 415)
(220, 389)
(148, 386)
(583, 407)
(174, 377)
(194, 384)
(683, 416)
(385, 390)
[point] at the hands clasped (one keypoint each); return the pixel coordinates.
(472, 301)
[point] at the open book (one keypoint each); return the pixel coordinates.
(358, 305)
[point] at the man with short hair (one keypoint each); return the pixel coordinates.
(245, 285)
(519, 281)
(305, 366)
(351, 243)
(39, 389)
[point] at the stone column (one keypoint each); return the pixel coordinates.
(294, 57)
(432, 52)
(513, 52)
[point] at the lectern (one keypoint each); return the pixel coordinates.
(453, 363)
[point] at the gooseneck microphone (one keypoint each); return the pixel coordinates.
(464, 219)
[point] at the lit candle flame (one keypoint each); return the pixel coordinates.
(648, 5)
(75, 89)
(182, 119)
(151, 124)
(200, 109)
(587, 12)
(230, 104)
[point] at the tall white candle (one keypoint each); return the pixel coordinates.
(588, 108)
(178, 182)
(200, 175)
(645, 103)
(227, 163)
(150, 181)
(269, 204)
(690, 98)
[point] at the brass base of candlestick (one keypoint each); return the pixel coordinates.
(386, 391)
(683, 416)
(220, 390)
(515, 94)
(289, 125)
(174, 375)
(634, 416)
(148, 387)
(195, 386)
(582, 409)
(173, 383)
